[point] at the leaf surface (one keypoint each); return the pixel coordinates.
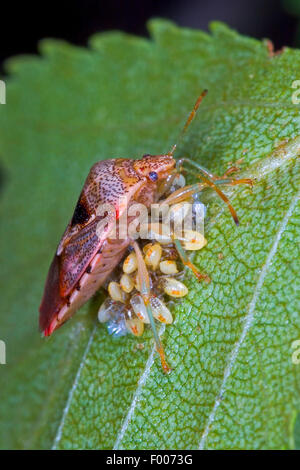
(233, 384)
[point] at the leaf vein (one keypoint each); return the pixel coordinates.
(248, 320)
(142, 381)
(73, 388)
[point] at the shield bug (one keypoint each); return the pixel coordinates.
(88, 254)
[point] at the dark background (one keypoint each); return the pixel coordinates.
(23, 23)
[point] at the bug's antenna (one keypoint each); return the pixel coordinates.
(189, 119)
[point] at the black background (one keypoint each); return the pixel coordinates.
(23, 23)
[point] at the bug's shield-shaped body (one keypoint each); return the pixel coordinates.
(86, 256)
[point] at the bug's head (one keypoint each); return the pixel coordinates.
(155, 167)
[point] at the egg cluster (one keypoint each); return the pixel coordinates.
(124, 309)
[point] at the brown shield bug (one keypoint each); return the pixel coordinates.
(87, 255)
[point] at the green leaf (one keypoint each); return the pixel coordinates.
(297, 432)
(233, 384)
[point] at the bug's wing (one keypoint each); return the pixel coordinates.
(66, 269)
(52, 300)
(77, 254)
(107, 182)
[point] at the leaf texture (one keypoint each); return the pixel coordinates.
(233, 383)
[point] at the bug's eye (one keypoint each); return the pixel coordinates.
(153, 175)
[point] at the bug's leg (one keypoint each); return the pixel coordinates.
(180, 166)
(184, 194)
(165, 185)
(187, 192)
(144, 283)
(213, 184)
(202, 169)
(229, 171)
(206, 173)
(186, 261)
